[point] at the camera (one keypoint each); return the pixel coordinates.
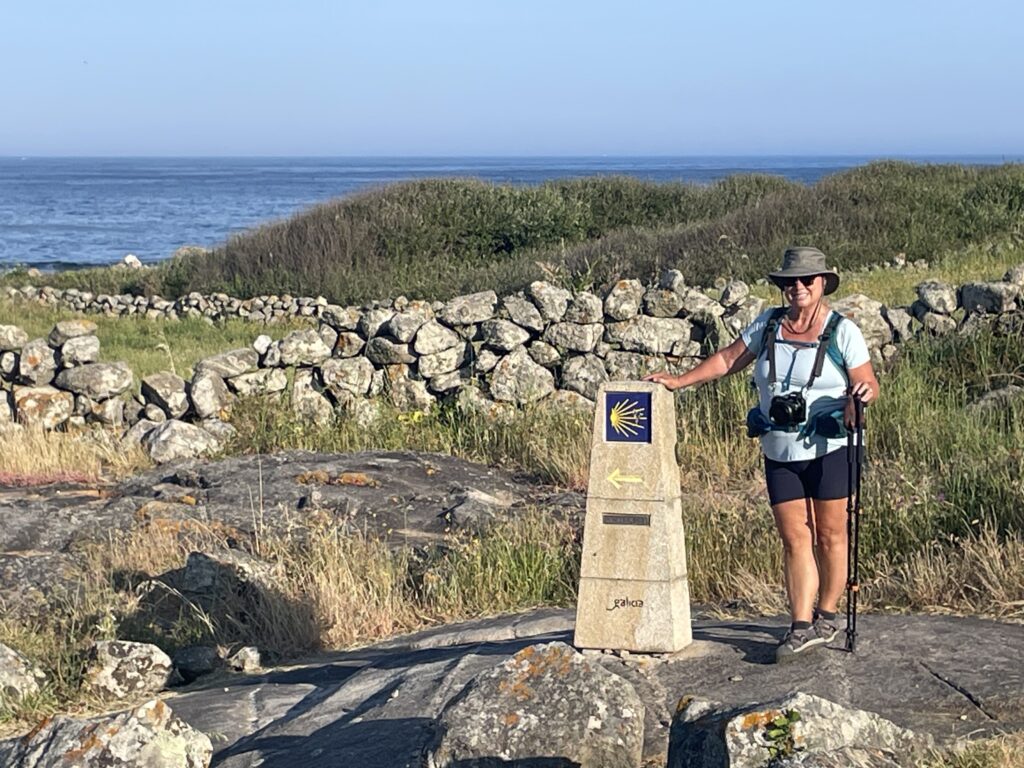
(788, 410)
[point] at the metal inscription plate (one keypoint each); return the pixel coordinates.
(612, 519)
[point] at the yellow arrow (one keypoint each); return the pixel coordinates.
(616, 478)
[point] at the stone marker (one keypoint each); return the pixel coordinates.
(633, 593)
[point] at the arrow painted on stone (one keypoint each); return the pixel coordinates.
(616, 478)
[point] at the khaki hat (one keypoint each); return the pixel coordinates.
(803, 262)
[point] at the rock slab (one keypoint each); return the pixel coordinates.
(547, 705)
(147, 737)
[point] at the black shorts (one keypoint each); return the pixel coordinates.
(826, 477)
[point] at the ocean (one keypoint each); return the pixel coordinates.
(59, 213)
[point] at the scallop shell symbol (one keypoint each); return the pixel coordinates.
(627, 417)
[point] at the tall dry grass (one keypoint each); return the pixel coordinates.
(33, 456)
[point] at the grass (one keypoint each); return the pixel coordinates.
(35, 457)
(1004, 751)
(943, 517)
(434, 239)
(329, 590)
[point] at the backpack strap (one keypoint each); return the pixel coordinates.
(824, 344)
(768, 338)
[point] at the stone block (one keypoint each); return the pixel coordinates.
(617, 540)
(633, 593)
(638, 616)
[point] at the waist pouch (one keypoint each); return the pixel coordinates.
(827, 424)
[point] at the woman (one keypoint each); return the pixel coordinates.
(804, 450)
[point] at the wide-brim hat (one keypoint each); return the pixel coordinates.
(805, 262)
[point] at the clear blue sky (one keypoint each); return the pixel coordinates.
(522, 77)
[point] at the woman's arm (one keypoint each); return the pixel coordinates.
(726, 361)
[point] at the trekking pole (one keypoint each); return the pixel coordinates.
(855, 468)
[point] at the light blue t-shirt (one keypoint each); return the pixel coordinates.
(794, 362)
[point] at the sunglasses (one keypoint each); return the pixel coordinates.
(807, 280)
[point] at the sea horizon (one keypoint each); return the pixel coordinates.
(67, 212)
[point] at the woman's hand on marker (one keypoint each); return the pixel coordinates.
(665, 378)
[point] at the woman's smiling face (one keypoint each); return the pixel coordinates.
(805, 291)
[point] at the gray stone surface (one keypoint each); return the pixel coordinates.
(341, 318)
(175, 440)
(405, 499)
(37, 363)
(584, 374)
(209, 394)
(228, 364)
(118, 669)
(97, 381)
(308, 399)
(649, 335)
(79, 351)
(938, 297)
(572, 337)
(149, 736)
(373, 321)
(349, 344)
(708, 736)
(544, 354)
(867, 314)
(551, 300)
(517, 379)
(585, 308)
(503, 335)
(432, 337)
(348, 375)
(699, 305)
(383, 351)
(65, 330)
(375, 707)
(12, 338)
(467, 310)
(901, 322)
(735, 293)
(265, 381)
(45, 406)
(18, 676)
(405, 324)
(659, 302)
(989, 298)
(624, 300)
(408, 394)
(523, 312)
(548, 705)
(8, 364)
(446, 383)
(629, 366)
(167, 391)
(302, 348)
(431, 366)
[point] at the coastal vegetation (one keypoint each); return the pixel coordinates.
(943, 530)
(944, 502)
(434, 239)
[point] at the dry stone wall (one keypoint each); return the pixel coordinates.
(488, 353)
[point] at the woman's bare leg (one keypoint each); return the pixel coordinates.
(831, 548)
(796, 527)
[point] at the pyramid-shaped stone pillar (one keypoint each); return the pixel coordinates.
(633, 592)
